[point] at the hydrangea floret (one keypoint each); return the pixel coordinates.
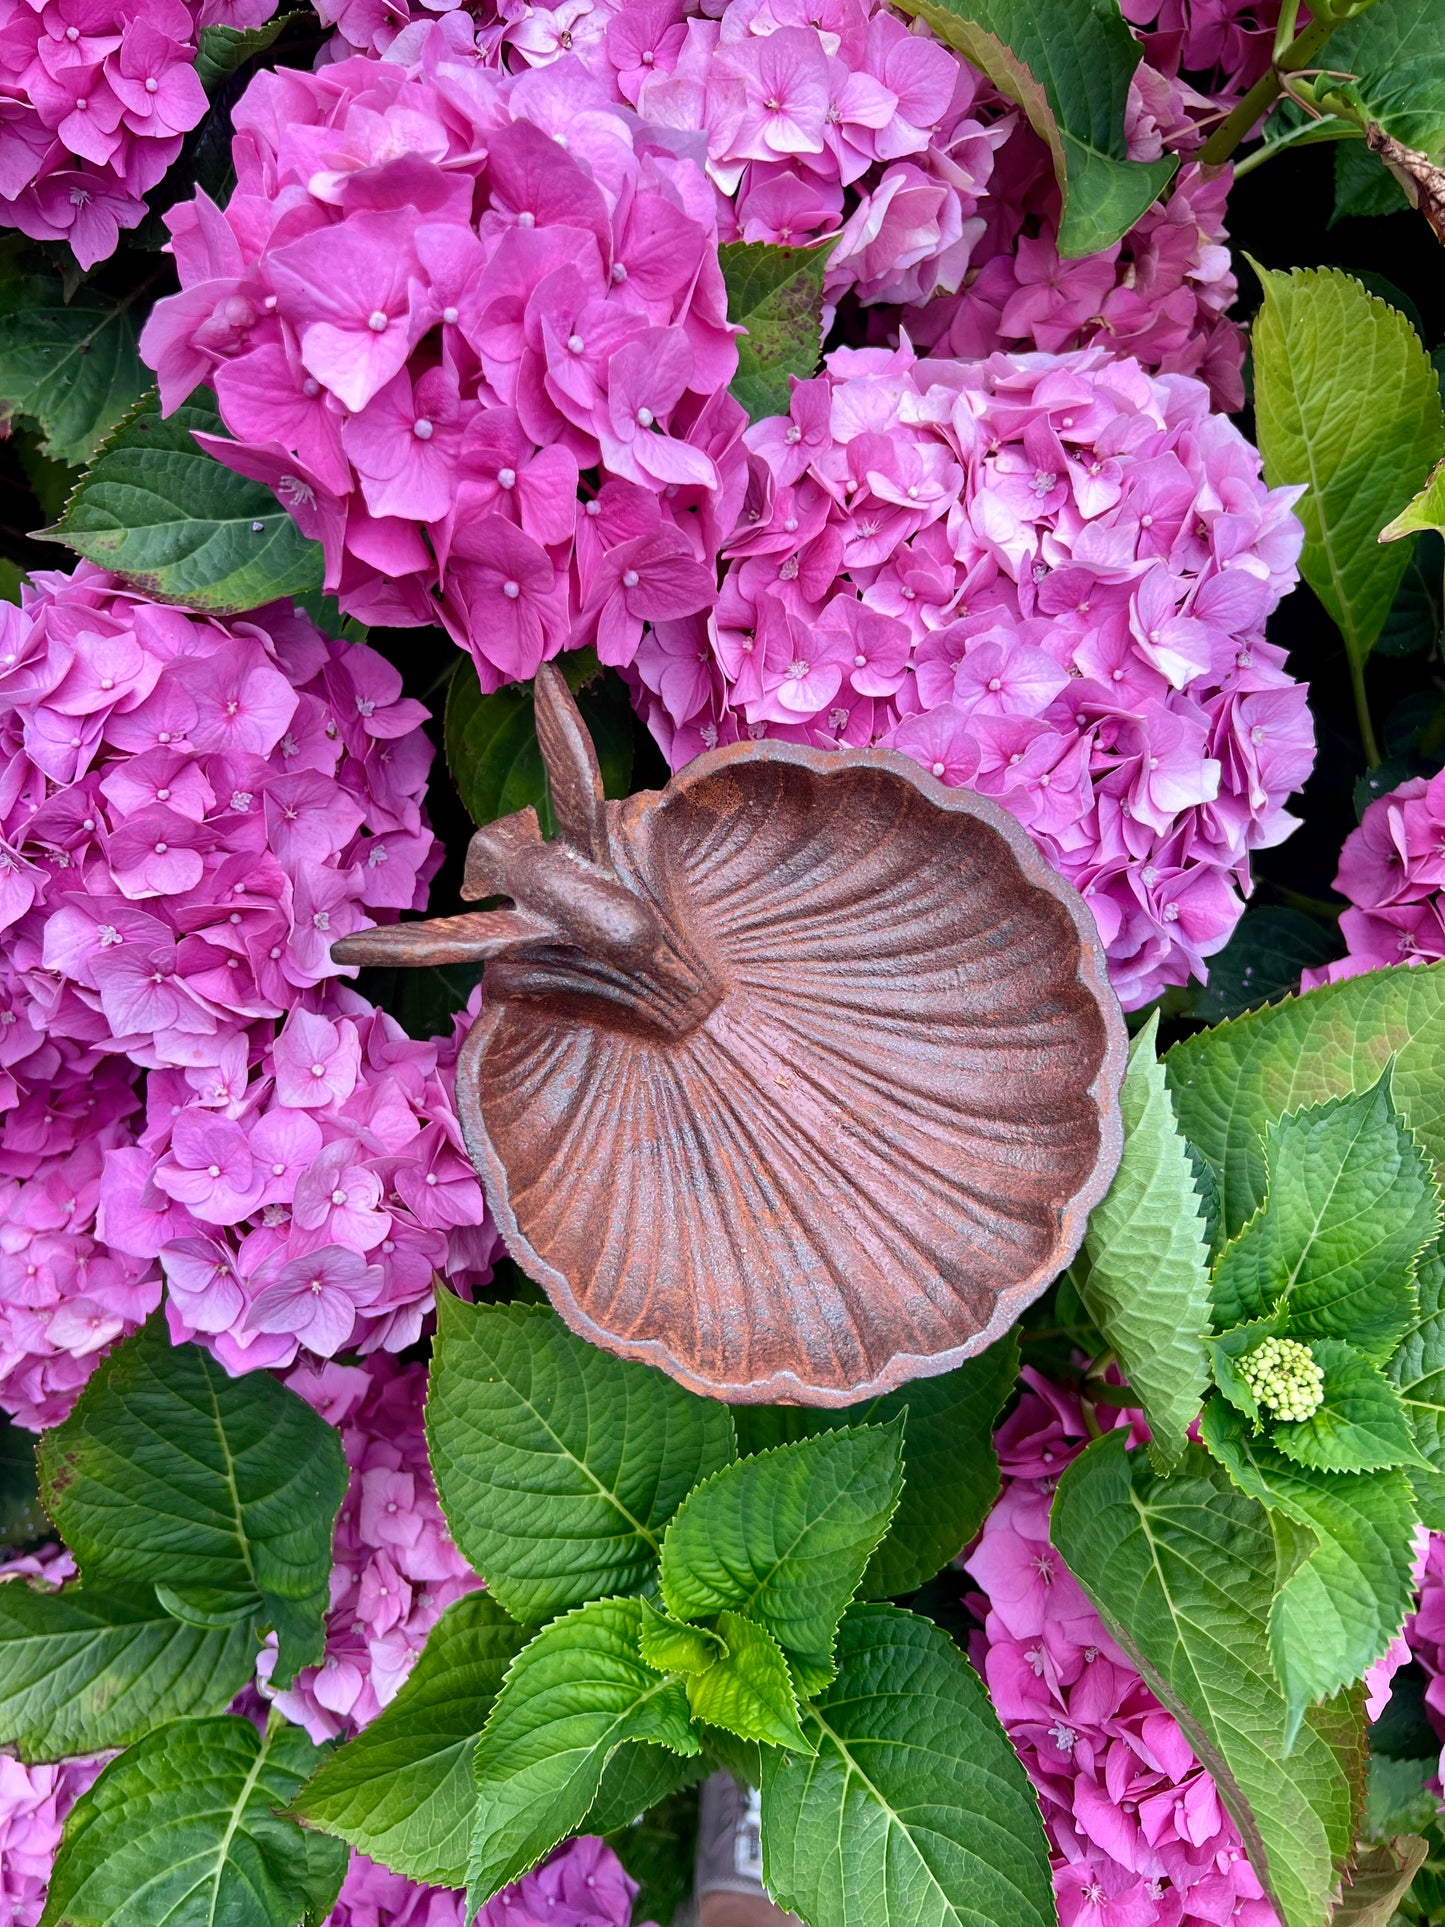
(1283, 1376)
(98, 98)
(1045, 577)
(1392, 874)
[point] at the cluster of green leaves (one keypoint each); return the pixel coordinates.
(200, 1510)
(1278, 1180)
(657, 1603)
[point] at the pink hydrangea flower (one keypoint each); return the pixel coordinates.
(396, 1569)
(1392, 870)
(439, 295)
(1045, 577)
(34, 1801)
(1137, 1833)
(190, 813)
(98, 98)
(583, 1884)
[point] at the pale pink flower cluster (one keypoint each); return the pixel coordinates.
(190, 813)
(1042, 577)
(395, 1568)
(34, 1801)
(1392, 870)
(311, 1203)
(437, 296)
(1160, 295)
(1138, 1835)
(95, 97)
(64, 1295)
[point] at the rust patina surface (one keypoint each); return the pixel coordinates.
(798, 1079)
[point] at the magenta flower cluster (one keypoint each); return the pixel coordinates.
(191, 812)
(1043, 577)
(583, 1884)
(1392, 870)
(95, 97)
(34, 1801)
(437, 296)
(1138, 1835)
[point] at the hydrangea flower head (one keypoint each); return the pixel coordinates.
(1392, 870)
(1283, 1375)
(98, 100)
(1137, 1833)
(1045, 577)
(441, 294)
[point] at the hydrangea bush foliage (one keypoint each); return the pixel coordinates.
(1046, 393)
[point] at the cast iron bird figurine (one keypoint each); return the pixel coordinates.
(798, 1079)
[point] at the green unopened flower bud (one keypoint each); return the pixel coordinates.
(1284, 1378)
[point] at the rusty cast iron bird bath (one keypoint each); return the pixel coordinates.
(798, 1079)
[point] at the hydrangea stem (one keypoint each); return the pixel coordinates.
(1362, 713)
(1266, 91)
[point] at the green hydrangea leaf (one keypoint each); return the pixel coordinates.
(402, 1791)
(1144, 1271)
(1350, 1206)
(85, 1669)
(170, 1472)
(493, 755)
(916, 1810)
(749, 1691)
(1362, 1425)
(1262, 961)
(948, 1450)
(22, 1517)
(672, 1646)
(1393, 51)
(223, 51)
(1423, 511)
(1378, 1882)
(71, 366)
(578, 1691)
(776, 294)
(1225, 1351)
(1418, 1367)
(185, 1829)
(784, 1538)
(1068, 64)
(1230, 1083)
(181, 526)
(1183, 1571)
(635, 1779)
(556, 1464)
(1341, 1605)
(1347, 403)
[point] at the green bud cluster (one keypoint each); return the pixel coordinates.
(1284, 1378)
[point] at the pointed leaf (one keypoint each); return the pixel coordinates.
(1342, 1604)
(223, 51)
(1347, 403)
(1418, 1367)
(1351, 1204)
(916, 1810)
(491, 741)
(71, 366)
(1183, 1571)
(776, 294)
(178, 524)
(83, 1670)
(1379, 1881)
(1144, 1275)
(573, 1695)
(784, 1538)
(168, 1470)
(402, 1791)
(671, 1646)
(1225, 1352)
(558, 1465)
(1423, 511)
(1069, 67)
(749, 1691)
(635, 1779)
(1361, 1426)
(947, 1448)
(1229, 1083)
(184, 1830)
